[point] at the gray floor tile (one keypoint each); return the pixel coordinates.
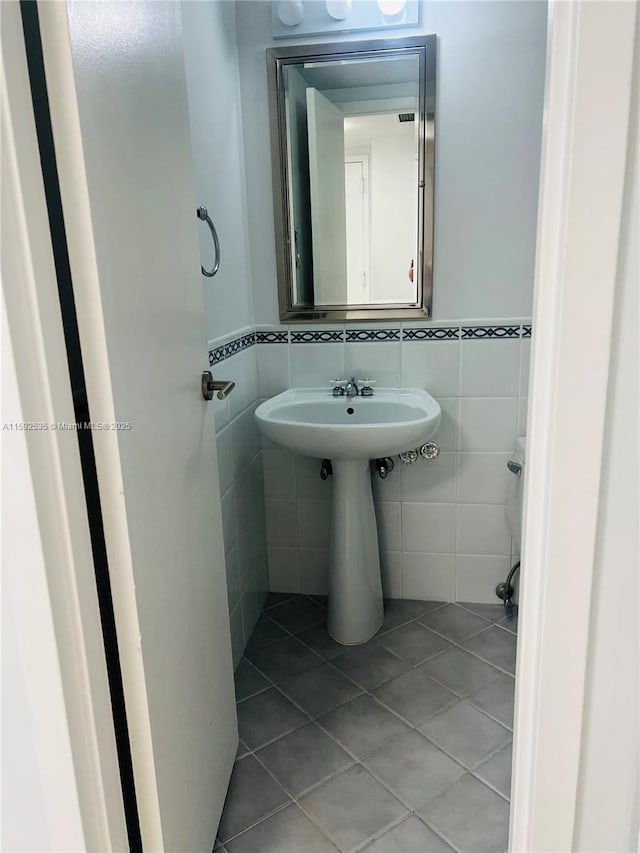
(497, 699)
(266, 631)
(252, 794)
(320, 599)
(461, 672)
(496, 771)
(268, 715)
(304, 758)
(288, 831)
(495, 646)
(471, 816)
(352, 807)
(363, 725)
(414, 642)
(410, 836)
(276, 598)
(248, 680)
(399, 611)
(320, 690)
(466, 733)
(454, 622)
(298, 614)
(413, 768)
(319, 639)
(414, 696)
(370, 665)
(510, 622)
(283, 659)
(491, 612)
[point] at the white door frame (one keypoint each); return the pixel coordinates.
(585, 138)
(74, 799)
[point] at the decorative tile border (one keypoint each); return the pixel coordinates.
(372, 335)
(366, 335)
(491, 332)
(216, 355)
(449, 333)
(320, 337)
(225, 350)
(272, 337)
(232, 348)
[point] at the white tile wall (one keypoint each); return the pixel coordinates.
(432, 365)
(379, 361)
(441, 524)
(241, 490)
(489, 368)
(314, 570)
(429, 576)
(273, 369)
(429, 528)
(391, 570)
(313, 364)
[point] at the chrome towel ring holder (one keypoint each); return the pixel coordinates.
(202, 214)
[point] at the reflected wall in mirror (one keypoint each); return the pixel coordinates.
(352, 134)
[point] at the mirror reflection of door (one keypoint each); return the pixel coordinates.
(328, 214)
(356, 170)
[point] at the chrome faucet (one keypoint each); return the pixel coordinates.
(351, 388)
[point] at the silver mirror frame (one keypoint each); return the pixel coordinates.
(277, 59)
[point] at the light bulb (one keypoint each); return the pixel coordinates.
(390, 8)
(290, 12)
(339, 9)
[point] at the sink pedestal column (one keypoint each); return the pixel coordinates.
(355, 586)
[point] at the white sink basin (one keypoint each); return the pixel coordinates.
(315, 423)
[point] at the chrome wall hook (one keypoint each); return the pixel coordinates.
(203, 214)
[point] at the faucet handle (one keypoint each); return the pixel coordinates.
(366, 387)
(338, 387)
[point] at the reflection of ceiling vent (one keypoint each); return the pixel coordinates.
(402, 117)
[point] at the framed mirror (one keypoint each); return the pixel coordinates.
(352, 148)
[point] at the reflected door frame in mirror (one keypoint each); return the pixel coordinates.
(279, 59)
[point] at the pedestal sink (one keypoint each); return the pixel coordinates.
(350, 431)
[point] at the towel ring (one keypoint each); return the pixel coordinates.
(202, 213)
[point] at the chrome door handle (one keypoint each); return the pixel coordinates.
(211, 385)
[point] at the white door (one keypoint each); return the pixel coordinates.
(116, 80)
(325, 124)
(356, 171)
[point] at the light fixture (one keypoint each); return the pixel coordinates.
(339, 9)
(391, 8)
(290, 12)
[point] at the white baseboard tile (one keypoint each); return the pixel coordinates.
(391, 570)
(477, 576)
(284, 572)
(430, 577)
(314, 571)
